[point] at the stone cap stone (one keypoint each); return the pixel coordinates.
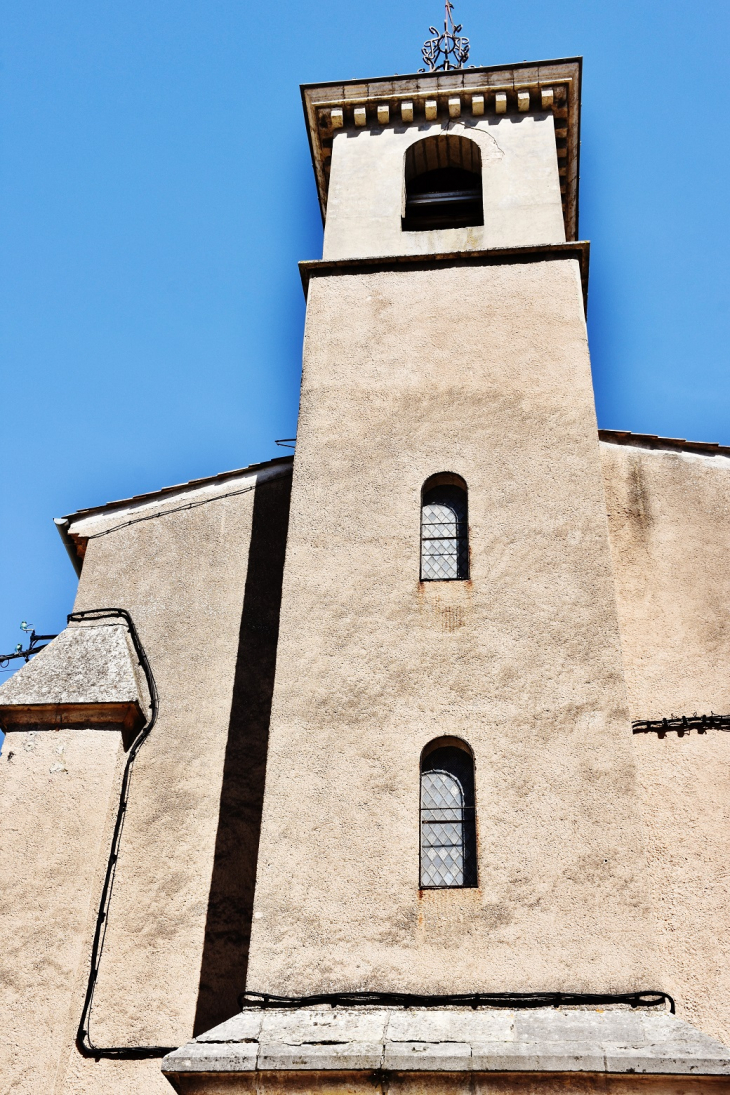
(86, 674)
(612, 1040)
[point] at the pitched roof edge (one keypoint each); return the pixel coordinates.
(75, 543)
(668, 444)
(191, 484)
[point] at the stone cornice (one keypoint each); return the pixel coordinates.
(494, 256)
(55, 716)
(472, 93)
(444, 1040)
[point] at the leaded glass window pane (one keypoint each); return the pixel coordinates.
(444, 540)
(442, 830)
(448, 830)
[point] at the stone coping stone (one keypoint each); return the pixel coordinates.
(86, 664)
(610, 1040)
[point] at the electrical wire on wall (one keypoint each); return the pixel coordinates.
(88, 1048)
(682, 724)
(84, 1041)
(647, 998)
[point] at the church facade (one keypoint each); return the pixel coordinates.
(401, 762)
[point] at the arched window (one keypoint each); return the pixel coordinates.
(443, 184)
(444, 529)
(448, 822)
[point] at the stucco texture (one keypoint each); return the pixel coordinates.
(482, 371)
(521, 188)
(56, 788)
(669, 515)
(188, 606)
(202, 585)
(669, 519)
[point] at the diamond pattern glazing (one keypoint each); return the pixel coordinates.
(442, 830)
(444, 542)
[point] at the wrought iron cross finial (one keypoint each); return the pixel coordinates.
(447, 50)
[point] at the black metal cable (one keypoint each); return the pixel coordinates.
(31, 649)
(647, 998)
(644, 999)
(83, 1035)
(682, 724)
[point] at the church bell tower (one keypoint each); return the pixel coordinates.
(452, 892)
(451, 803)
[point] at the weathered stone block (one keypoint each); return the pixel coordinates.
(239, 1028)
(82, 665)
(537, 1057)
(698, 1060)
(428, 1056)
(319, 1026)
(221, 1057)
(444, 1025)
(342, 1055)
(584, 1025)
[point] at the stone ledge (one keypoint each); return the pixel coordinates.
(452, 1040)
(349, 1056)
(548, 252)
(227, 1057)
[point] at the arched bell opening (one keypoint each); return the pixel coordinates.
(443, 184)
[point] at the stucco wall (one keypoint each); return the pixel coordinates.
(56, 788)
(520, 181)
(482, 371)
(202, 585)
(669, 515)
(182, 578)
(669, 518)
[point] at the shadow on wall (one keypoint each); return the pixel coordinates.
(230, 903)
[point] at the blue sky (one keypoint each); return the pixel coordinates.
(156, 194)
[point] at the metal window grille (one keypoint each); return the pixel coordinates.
(444, 537)
(448, 829)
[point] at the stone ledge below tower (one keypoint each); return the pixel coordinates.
(378, 1040)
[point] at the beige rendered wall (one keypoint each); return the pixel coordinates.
(519, 176)
(56, 788)
(669, 515)
(482, 371)
(669, 518)
(201, 586)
